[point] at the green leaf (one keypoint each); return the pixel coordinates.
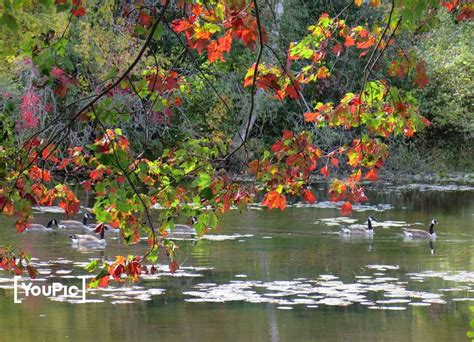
(203, 180)
(206, 193)
(212, 220)
(92, 266)
(10, 22)
(158, 32)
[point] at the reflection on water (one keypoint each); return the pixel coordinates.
(266, 275)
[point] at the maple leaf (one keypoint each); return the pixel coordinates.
(20, 225)
(421, 78)
(375, 3)
(346, 208)
(337, 49)
(180, 25)
(78, 11)
(349, 41)
(87, 185)
(104, 281)
(323, 72)
(371, 175)
(358, 2)
(311, 117)
(450, 5)
(32, 271)
(308, 196)
(425, 121)
(174, 266)
(144, 19)
(274, 199)
(325, 171)
(292, 90)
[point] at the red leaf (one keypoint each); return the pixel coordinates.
(87, 185)
(325, 171)
(78, 11)
(31, 271)
(95, 175)
(20, 225)
(334, 162)
(346, 208)
(371, 175)
(425, 121)
(104, 281)
(174, 266)
(337, 49)
(408, 132)
(292, 90)
(144, 19)
(450, 5)
(421, 78)
(308, 196)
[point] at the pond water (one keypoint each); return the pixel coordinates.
(272, 276)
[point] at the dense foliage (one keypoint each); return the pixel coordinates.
(150, 104)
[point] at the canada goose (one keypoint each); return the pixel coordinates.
(84, 239)
(359, 231)
(36, 227)
(73, 224)
(184, 229)
(420, 233)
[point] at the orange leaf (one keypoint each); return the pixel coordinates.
(104, 281)
(371, 175)
(311, 117)
(349, 41)
(274, 200)
(346, 208)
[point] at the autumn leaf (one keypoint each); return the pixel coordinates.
(337, 49)
(87, 185)
(358, 2)
(349, 41)
(346, 208)
(32, 271)
(104, 281)
(421, 78)
(144, 19)
(371, 175)
(308, 196)
(274, 200)
(311, 117)
(174, 266)
(450, 5)
(325, 171)
(425, 121)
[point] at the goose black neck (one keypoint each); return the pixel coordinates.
(50, 224)
(84, 220)
(102, 233)
(431, 229)
(369, 224)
